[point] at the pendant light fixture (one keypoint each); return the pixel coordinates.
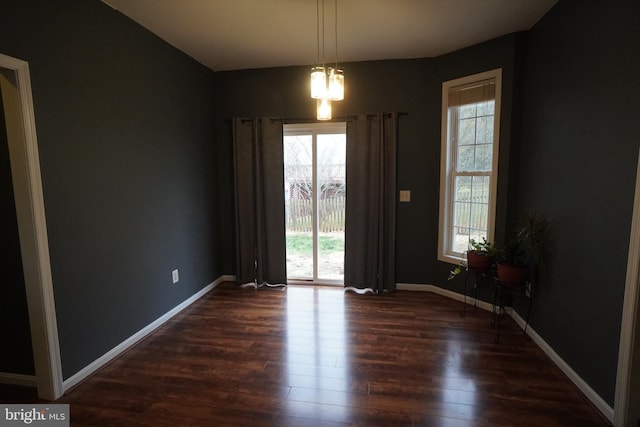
(324, 108)
(327, 83)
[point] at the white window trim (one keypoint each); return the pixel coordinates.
(447, 163)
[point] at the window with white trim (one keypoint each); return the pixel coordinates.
(469, 162)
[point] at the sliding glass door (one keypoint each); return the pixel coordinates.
(314, 164)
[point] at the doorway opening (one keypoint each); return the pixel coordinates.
(315, 196)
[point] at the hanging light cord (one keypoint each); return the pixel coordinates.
(323, 33)
(336, 30)
(320, 32)
(317, 31)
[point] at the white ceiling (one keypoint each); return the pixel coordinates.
(242, 34)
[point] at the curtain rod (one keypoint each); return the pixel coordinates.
(246, 119)
(337, 119)
(314, 120)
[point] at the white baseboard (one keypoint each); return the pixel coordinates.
(135, 338)
(18, 379)
(582, 385)
(444, 292)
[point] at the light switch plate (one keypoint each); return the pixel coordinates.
(405, 195)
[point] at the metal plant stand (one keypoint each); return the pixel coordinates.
(501, 289)
(475, 273)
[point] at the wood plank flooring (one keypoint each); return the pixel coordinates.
(315, 356)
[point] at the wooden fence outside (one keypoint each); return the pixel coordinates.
(331, 212)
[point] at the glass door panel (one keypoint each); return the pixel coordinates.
(298, 192)
(331, 160)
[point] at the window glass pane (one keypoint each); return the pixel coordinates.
(467, 111)
(461, 217)
(460, 240)
(470, 209)
(463, 188)
(467, 131)
(475, 144)
(486, 108)
(466, 155)
(480, 189)
(484, 130)
(478, 220)
(483, 157)
(461, 226)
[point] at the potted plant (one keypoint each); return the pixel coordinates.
(512, 266)
(529, 246)
(480, 258)
(480, 255)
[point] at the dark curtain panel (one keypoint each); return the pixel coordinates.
(259, 195)
(371, 202)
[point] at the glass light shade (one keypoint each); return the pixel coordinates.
(318, 82)
(336, 84)
(324, 109)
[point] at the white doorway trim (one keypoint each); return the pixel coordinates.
(32, 228)
(629, 327)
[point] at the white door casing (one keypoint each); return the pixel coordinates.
(630, 330)
(32, 228)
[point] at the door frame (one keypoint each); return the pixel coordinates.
(629, 329)
(314, 129)
(32, 227)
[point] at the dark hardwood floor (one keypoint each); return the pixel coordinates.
(315, 356)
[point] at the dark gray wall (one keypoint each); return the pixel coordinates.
(409, 86)
(127, 153)
(16, 358)
(578, 165)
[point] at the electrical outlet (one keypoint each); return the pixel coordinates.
(528, 290)
(175, 276)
